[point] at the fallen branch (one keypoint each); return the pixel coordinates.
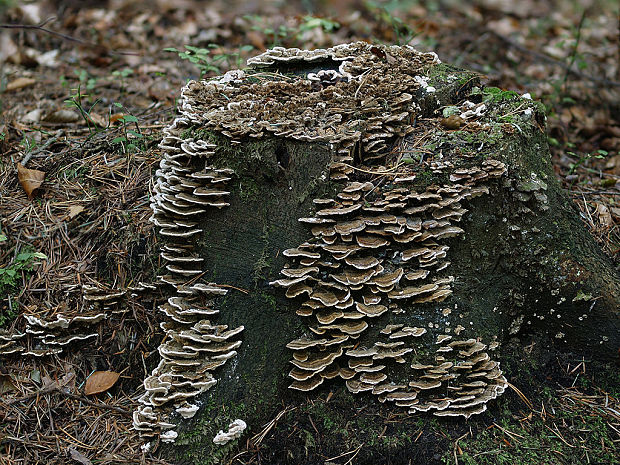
(69, 38)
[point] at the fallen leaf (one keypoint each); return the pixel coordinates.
(98, 120)
(603, 215)
(33, 116)
(75, 210)
(30, 180)
(20, 83)
(7, 47)
(47, 382)
(31, 14)
(452, 122)
(100, 381)
(62, 116)
(35, 375)
(6, 384)
(79, 457)
(49, 59)
(256, 39)
(116, 118)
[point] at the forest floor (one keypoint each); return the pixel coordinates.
(85, 91)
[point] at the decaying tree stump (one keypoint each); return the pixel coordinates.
(361, 216)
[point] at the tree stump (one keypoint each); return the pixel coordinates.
(361, 216)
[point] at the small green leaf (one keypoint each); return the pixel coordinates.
(449, 111)
(582, 296)
(23, 256)
(129, 119)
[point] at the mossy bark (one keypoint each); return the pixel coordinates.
(524, 263)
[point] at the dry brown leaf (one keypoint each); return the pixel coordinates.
(256, 39)
(116, 117)
(62, 116)
(20, 82)
(603, 215)
(30, 180)
(79, 457)
(98, 120)
(75, 210)
(7, 47)
(100, 381)
(6, 384)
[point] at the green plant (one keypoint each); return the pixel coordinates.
(85, 79)
(274, 34)
(210, 59)
(495, 94)
(581, 159)
(77, 101)
(130, 140)
(28, 143)
(122, 74)
(312, 22)
(384, 13)
(10, 275)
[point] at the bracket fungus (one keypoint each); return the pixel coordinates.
(187, 187)
(50, 333)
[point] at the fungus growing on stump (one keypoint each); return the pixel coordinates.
(315, 200)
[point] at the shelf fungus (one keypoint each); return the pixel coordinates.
(187, 188)
(390, 256)
(53, 332)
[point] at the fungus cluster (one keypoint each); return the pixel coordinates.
(383, 250)
(357, 103)
(51, 334)
(235, 430)
(187, 187)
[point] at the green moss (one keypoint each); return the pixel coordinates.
(513, 442)
(442, 74)
(496, 95)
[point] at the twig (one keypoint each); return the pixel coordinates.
(357, 451)
(456, 448)
(258, 438)
(40, 27)
(557, 433)
(29, 155)
(525, 400)
(579, 193)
